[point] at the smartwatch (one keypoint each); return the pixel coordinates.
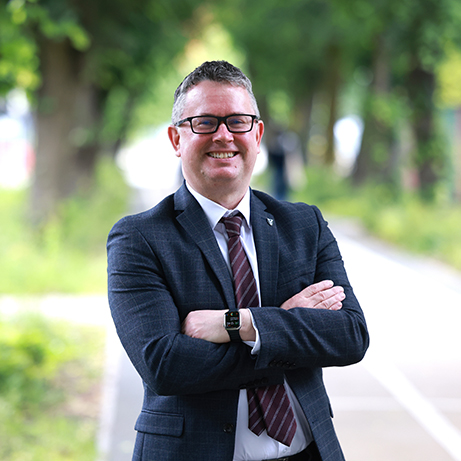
(232, 323)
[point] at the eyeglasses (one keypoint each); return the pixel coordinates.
(207, 124)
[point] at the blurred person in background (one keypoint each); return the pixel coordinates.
(228, 301)
(278, 164)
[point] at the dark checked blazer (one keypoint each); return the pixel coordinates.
(165, 262)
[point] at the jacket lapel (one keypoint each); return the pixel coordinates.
(267, 249)
(194, 221)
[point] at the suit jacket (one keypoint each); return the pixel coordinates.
(165, 262)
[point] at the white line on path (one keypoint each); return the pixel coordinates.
(109, 394)
(403, 306)
(438, 426)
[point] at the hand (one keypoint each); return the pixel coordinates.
(205, 324)
(209, 325)
(322, 295)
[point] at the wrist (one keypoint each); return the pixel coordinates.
(247, 330)
(232, 324)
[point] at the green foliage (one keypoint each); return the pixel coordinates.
(47, 369)
(401, 218)
(67, 255)
(18, 61)
(449, 72)
(55, 21)
(119, 47)
(212, 43)
(32, 353)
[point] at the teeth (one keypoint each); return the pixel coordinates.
(222, 154)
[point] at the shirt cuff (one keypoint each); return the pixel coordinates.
(255, 345)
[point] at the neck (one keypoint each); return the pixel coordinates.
(227, 200)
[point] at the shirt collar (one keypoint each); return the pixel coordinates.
(214, 212)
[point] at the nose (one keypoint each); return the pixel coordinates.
(222, 133)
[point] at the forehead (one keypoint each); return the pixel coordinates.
(214, 98)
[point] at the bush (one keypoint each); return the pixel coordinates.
(47, 370)
(401, 218)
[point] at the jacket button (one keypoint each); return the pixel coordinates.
(228, 428)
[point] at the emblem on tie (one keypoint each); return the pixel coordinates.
(270, 221)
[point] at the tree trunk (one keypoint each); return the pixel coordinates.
(67, 117)
(429, 155)
(334, 80)
(127, 112)
(375, 159)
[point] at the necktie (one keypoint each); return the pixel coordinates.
(269, 407)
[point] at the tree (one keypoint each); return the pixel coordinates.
(277, 56)
(430, 25)
(377, 158)
(90, 54)
(409, 40)
(301, 48)
(309, 51)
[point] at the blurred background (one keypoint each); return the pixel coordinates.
(362, 106)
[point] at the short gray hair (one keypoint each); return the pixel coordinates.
(215, 71)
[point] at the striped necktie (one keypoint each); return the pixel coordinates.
(269, 407)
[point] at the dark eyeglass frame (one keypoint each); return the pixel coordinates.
(220, 120)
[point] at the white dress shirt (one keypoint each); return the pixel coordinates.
(249, 446)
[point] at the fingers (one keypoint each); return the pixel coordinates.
(321, 295)
(325, 296)
(334, 303)
(317, 288)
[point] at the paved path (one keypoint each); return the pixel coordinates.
(121, 404)
(403, 402)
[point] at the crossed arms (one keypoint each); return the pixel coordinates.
(208, 325)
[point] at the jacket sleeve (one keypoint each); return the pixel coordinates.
(148, 322)
(303, 337)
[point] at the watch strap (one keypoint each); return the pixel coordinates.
(234, 336)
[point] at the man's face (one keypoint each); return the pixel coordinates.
(222, 162)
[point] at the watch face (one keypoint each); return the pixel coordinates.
(232, 320)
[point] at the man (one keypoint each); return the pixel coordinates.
(213, 391)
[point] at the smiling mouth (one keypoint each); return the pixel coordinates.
(222, 155)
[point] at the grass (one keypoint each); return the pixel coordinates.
(50, 377)
(425, 228)
(68, 254)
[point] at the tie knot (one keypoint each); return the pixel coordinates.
(233, 224)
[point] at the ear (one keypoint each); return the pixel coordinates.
(173, 134)
(259, 132)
